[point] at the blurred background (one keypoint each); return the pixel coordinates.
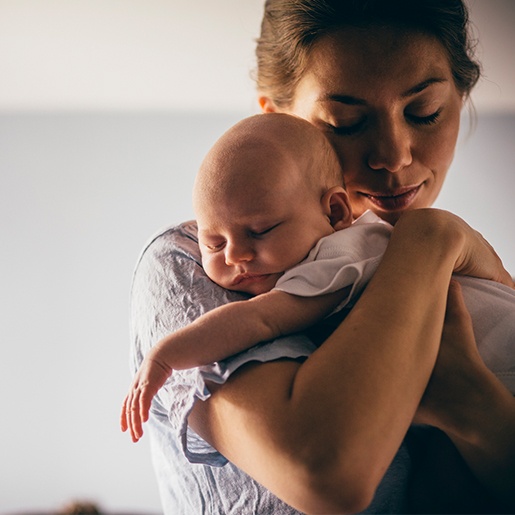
(107, 108)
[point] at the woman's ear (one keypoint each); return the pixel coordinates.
(336, 205)
(267, 105)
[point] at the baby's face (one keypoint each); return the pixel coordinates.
(249, 238)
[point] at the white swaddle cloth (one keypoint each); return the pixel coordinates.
(351, 256)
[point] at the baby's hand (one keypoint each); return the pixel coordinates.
(148, 380)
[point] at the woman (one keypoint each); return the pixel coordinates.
(280, 430)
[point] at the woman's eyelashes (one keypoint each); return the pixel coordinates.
(346, 126)
(347, 130)
(424, 120)
(355, 128)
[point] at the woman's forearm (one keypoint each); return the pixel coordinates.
(372, 372)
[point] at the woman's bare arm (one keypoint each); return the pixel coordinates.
(305, 429)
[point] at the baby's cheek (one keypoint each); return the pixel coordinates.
(211, 268)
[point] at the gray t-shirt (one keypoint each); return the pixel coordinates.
(169, 291)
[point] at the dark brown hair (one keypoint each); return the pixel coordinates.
(290, 28)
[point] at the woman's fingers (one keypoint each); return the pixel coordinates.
(458, 336)
(457, 317)
(472, 253)
(481, 259)
(459, 370)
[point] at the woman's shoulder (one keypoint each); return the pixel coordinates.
(169, 276)
(172, 242)
(170, 260)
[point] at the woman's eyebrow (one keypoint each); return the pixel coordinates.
(355, 101)
(423, 85)
(343, 99)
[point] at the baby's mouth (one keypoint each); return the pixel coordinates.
(248, 277)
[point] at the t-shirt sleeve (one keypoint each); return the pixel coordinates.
(169, 291)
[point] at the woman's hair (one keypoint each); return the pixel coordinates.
(290, 28)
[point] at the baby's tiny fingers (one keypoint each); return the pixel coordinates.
(127, 414)
(144, 405)
(123, 416)
(134, 418)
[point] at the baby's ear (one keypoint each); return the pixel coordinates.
(336, 205)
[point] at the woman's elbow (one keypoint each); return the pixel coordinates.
(327, 497)
(330, 486)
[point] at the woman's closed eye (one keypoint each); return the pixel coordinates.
(349, 130)
(424, 120)
(346, 129)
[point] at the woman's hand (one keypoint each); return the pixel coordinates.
(474, 256)
(466, 401)
(479, 259)
(458, 372)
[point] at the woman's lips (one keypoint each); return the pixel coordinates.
(395, 201)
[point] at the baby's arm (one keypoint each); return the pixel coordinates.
(218, 334)
(236, 326)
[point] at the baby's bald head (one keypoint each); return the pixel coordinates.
(266, 150)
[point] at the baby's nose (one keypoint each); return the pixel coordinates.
(236, 253)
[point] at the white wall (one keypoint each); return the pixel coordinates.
(173, 54)
(480, 186)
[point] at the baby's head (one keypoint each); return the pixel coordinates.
(266, 192)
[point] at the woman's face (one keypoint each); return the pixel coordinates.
(388, 103)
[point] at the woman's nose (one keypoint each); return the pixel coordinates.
(390, 147)
(236, 252)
